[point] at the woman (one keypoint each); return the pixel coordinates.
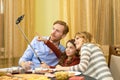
(92, 60)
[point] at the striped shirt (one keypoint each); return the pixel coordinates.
(93, 63)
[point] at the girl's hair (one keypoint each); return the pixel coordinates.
(71, 41)
(64, 56)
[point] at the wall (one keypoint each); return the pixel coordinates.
(46, 12)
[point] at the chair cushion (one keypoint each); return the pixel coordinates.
(115, 67)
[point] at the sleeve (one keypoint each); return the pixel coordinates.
(54, 48)
(84, 59)
(75, 61)
(28, 54)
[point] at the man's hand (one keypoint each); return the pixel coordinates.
(44, 65)
(26, 65)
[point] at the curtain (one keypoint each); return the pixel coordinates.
(14, 41)
(116, 21)
(99, 17)
(1, 29)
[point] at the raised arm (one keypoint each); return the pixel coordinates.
(51, 46)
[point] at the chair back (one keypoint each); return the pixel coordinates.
(114, 63)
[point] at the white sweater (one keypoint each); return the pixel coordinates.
(93, 63)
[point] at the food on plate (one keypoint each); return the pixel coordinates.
(2, 73)
(24, 77)
(61, 75)
(33, 76)
(11, 78)
(50, 75)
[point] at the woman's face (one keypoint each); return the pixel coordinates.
(79, 42)
(70, 49)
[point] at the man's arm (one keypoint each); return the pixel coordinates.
(25, 60)
(51, 46)
(26, 65)
(54, 48)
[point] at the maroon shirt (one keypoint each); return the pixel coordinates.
(75, 60)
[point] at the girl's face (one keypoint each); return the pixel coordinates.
(70, 49)
(79, 42)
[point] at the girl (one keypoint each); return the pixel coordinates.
(71, 56)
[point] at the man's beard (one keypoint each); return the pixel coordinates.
(53, 39)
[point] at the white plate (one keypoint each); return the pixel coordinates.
(75, 72)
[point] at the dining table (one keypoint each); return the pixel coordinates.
(86, 77)
(19, 71)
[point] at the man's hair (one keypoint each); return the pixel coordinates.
(66, 28)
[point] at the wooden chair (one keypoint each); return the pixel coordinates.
(114, 61)
(105, 49)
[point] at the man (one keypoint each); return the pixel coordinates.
(47, 56)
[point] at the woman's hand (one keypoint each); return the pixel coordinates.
(60, 68)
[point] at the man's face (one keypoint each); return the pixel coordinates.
(57, 32)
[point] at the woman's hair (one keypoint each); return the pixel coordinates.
(64, 56)
(86, 35)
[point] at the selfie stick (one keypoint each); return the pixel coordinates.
(17, 22)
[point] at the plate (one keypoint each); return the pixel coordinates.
(28, 71)
(44, 70)
(76, 73)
